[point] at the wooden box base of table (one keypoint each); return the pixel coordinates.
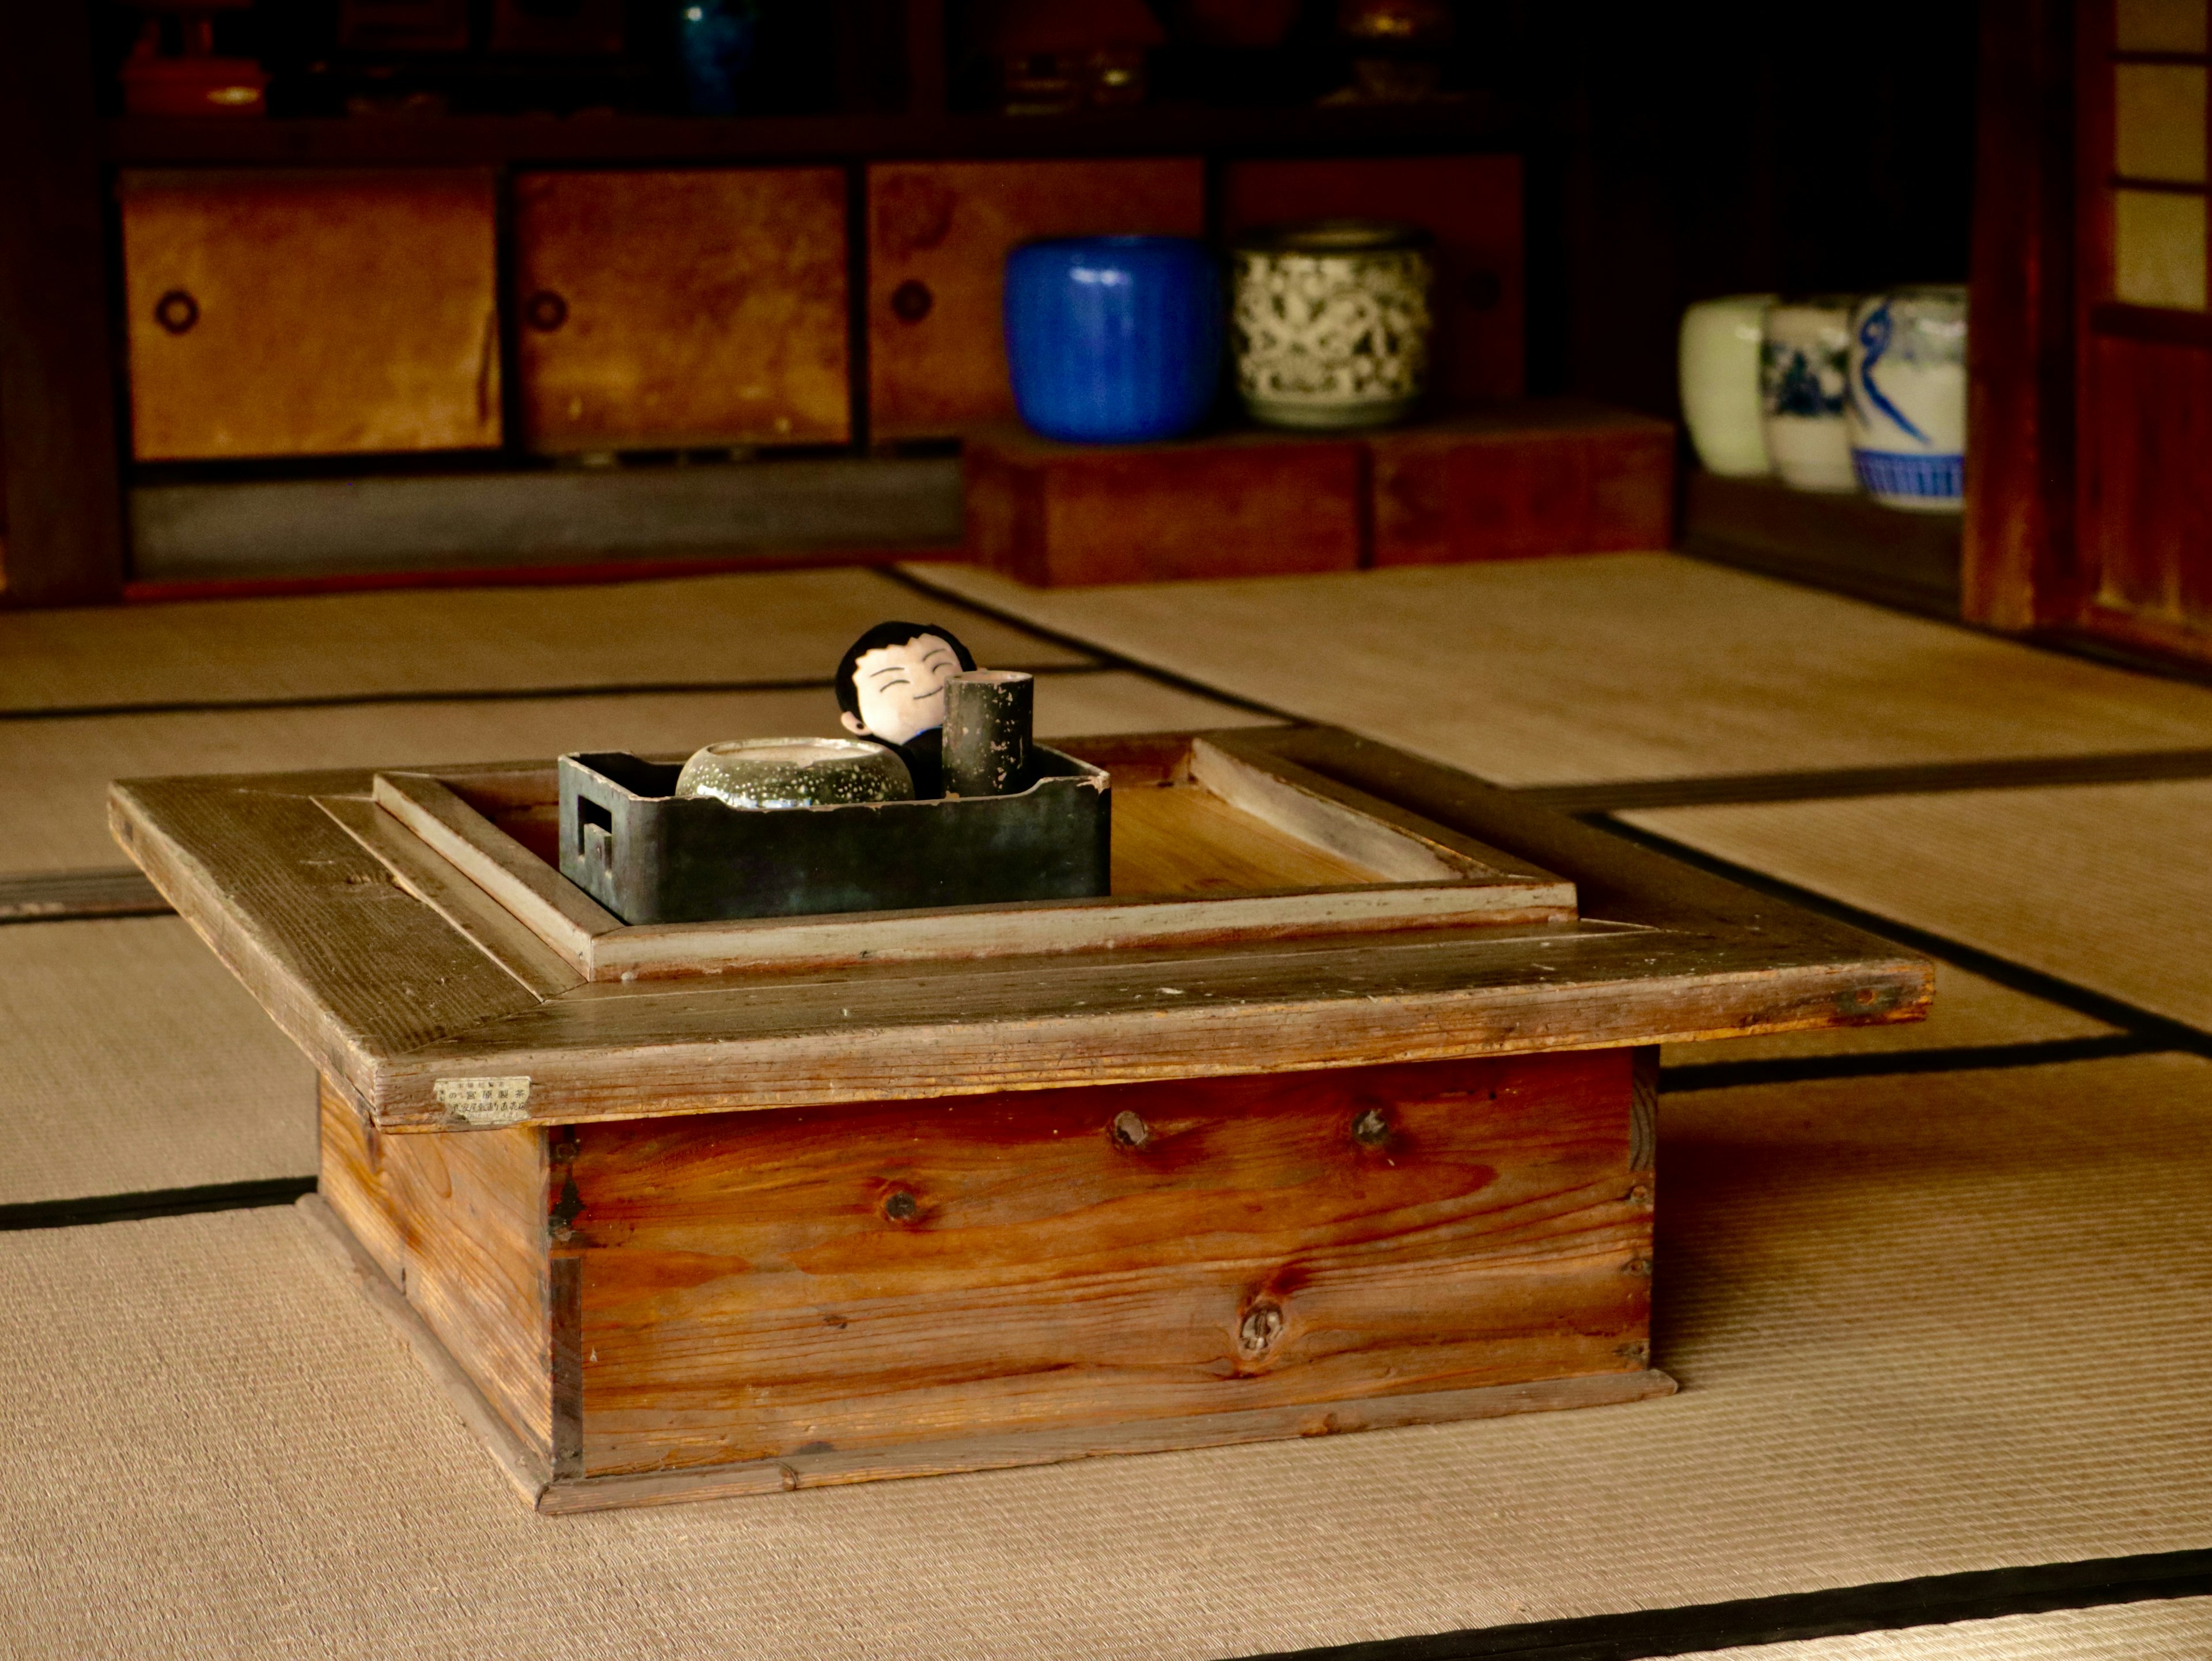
(647, 1309)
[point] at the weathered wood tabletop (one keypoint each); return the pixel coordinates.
(389, 997)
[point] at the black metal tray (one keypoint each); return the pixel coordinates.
(648, 856)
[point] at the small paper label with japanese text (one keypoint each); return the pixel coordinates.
(486, 1101)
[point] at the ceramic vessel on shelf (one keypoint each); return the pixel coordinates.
(1719, 367)
(717, 42)
(1055, 57)
(1113, 340)
(194, 80)
(795, 773)
(1804, 367)
(1907, 407)
(1332, 322)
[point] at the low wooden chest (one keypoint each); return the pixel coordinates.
(677, 1215)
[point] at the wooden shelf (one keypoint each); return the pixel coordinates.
(1851, 544)
(156, 141)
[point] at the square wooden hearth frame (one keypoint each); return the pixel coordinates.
(1424, 1150)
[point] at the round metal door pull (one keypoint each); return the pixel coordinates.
(176, 311)
(545, 311)
(1130, 1130)
(911, 300)
(902, 1208)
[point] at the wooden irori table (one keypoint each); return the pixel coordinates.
(1337, 1116)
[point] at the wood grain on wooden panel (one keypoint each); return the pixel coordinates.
(351, 1180)
(441, 886)
(2019, 532)
(304, 315)
(2146, 533)
(876, 1276)
(1470, 203)
(1370, 832)
(353, 967)
(1562, 477)
(459, 1224)
(564, 916)
(1239, 505)
(1045, 1447)
(1186, 840)
(938, 234)
(682, 309)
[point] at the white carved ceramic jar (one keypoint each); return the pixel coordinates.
(1804, 369)
(1332, 322)
(1908, 398)
(1719, 367)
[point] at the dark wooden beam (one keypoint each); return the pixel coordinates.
(57, 350)
(2020, 477)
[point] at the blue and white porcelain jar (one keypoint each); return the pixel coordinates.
(1907, 410)
(1804, 366)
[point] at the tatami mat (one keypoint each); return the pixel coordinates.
(131, 1059)
(1970, 1013)
(1924, 1324)
(2108, 886)
(1625, 667)
(749, 627)
(53, 816)
(2176, 1630)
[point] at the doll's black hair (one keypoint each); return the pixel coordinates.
(882, 634)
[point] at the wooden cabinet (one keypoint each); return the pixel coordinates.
(939, 236)
(275, 314)
(1470, 203)
(673, 310)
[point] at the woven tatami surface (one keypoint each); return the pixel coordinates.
(746, 628)
(1628, 666)
(2177, 1631)
(54, 815)
(2108, 886)
(1924, 1324)
(131, 1059)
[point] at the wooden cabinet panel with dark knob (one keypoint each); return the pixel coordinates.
(939, 236)
(673, 310)
(1470, 203)
(275, 313)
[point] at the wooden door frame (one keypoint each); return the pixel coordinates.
(2019, 544)
(62, 471)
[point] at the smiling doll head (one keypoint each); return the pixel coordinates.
(890, 684)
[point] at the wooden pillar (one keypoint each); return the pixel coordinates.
(62, 478)
(2019, 478)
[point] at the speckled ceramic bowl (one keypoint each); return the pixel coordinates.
(795, 773)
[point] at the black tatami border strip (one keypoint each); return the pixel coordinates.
(120, 891)
(153, 1202)
(1889, 1064)
(2163, 1031)
(491, 694)
(1884, 1606)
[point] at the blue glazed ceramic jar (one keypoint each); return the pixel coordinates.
(1113, 339)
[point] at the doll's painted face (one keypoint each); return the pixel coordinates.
(900, 688)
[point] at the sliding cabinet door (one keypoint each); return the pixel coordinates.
(2144, 431)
